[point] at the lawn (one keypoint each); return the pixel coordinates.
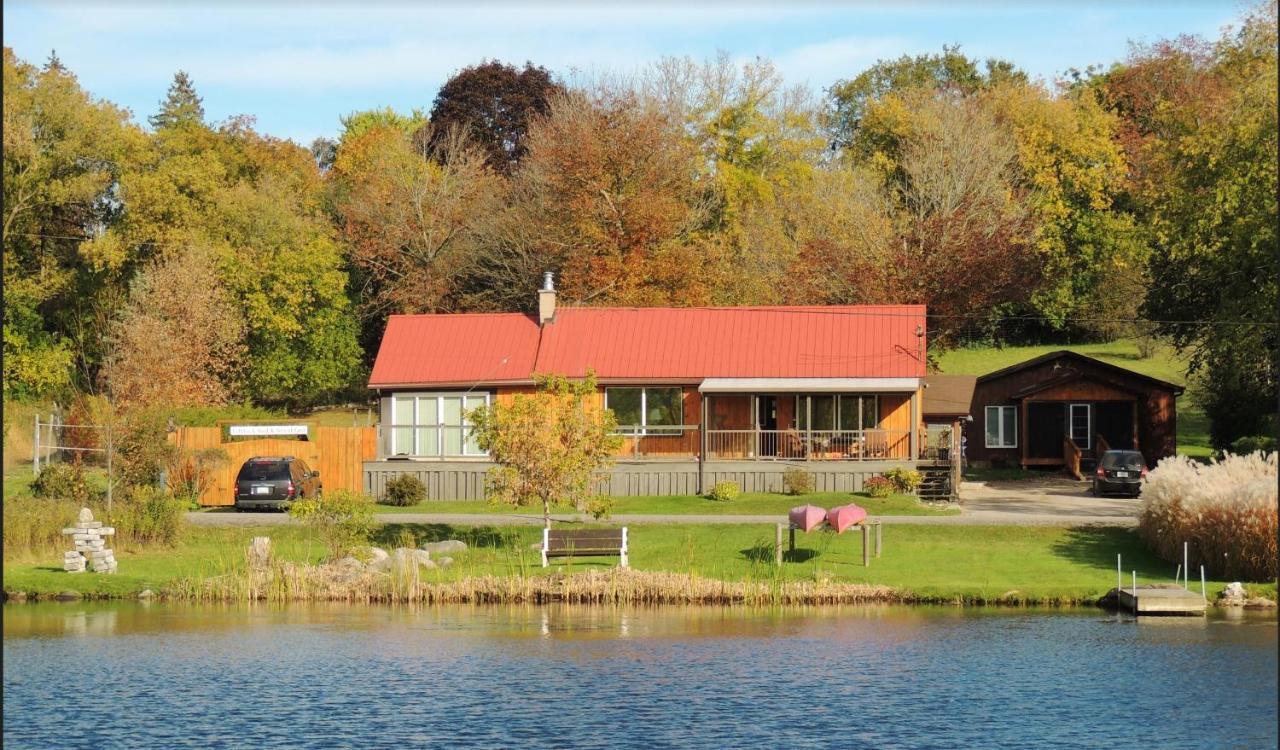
(948, 563)
(748, 504)
(1165, 364)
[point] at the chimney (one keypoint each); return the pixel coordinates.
(547, 300)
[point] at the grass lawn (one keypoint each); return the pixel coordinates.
(952, 563)
(1165, 364)
(762, 503)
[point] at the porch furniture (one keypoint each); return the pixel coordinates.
(877, 443)
(794, 446)
(585, 543)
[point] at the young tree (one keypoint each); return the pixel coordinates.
(548, 446)
(181, 106)
(493, 105)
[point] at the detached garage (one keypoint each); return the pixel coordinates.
(1064, 409)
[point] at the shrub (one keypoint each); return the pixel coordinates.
(146, 516)
(797, 482)
(34, 525)
(342, 519)
(1253, 443)
(878, 487)
(143, 450)
(1225, 511)
(724, 492)
(903, 480)
(405, 490)
(65, 481)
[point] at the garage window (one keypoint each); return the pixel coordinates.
(1002, 426)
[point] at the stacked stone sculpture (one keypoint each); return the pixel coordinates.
(89, 537)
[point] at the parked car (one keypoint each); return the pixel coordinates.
(274, 482)
(1120, 472)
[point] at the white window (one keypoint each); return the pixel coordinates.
(434, 424)
(1002, 426)
(639, 411)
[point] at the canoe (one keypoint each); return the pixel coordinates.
(807, 517)
(845, 516)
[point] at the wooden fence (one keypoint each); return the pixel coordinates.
(338, 453)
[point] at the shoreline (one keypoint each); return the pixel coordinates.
(292, 584)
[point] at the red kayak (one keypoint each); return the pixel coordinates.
(807, 517)
(845, 516)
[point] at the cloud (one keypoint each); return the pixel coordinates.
(822, 63)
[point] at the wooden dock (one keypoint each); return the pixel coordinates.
(1161, 600)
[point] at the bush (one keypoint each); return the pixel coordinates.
(1225, 510)
(405, 490)
(34, 525)
(797, 482)
(143, 450)
(66, 481)
(146, 516)
(724, 492)
(342, 519)
(878, 487)
(903, 480)
(1254, 443)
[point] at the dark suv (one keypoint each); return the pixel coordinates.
(274, 482)
(1120, 471)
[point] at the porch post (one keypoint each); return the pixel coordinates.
(702, 437)
(915, 425)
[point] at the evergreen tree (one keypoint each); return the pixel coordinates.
(181, 107)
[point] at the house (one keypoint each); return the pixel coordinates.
(1064, 409)
(700, 394)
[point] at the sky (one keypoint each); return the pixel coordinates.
(299, 67)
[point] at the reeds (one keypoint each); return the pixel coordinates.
(1225, 511)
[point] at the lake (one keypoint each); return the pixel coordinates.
(127, 674)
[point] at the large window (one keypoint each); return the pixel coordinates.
(644, 411)
(434, 424)
(845, 411)
(1002, 426)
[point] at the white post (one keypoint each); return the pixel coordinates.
(1119, 584)
(624, 546)
(1135, 590)
(546, 539)
(1185, 586)
(35, 450)
(1177, 573)
(1203, 595)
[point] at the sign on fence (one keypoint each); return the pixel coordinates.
(267, 430)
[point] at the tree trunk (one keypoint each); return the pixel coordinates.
(546, 512)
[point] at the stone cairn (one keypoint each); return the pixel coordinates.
(91, 546)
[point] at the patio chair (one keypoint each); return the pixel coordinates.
(793, 445)
(877, 443)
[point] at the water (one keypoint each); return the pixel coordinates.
(173, 676)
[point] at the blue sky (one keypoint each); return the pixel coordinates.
(298, 67)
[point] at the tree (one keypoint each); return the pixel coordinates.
(1214, 267)
(493, 105)
(548, 446)
(180, 339)
(181, 106)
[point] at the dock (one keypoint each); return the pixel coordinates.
(1161, 600)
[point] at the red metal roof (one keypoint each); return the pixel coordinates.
(655, 343)
(461, 348)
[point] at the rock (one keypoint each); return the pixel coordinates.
(1259, 602)
(146, 594)
(404, 558)
(86, 515)
(348, 564)
(259, 552)
(15, 596)
(1233, 595)
(377, 555)
(448, 545)
(69, 596)
(444, 562)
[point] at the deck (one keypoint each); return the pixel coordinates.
(1161, 600)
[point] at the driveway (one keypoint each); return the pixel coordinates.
(1048, 502)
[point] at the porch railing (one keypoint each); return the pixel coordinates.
(813, 445)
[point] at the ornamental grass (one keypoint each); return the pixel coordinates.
(1225, 511)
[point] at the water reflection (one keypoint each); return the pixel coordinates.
(167, 675)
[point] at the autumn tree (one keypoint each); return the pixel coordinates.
(179, 341)
(548, 446)
(493, 105)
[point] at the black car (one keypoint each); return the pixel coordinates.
(274, 482)
(1120, 472)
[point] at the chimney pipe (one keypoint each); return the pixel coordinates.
(547, 299)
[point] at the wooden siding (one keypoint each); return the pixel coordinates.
(1081, 391)
(338, 453)
(464, 480)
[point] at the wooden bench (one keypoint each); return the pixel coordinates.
(584, 543)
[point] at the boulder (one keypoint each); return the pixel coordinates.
(348, 564)
(444, 562)
(146, 594)
(86, 515)
(448, 545)
(404, 558)
(1233, 595)
(377, 555)
(68, 596)
(259, 552)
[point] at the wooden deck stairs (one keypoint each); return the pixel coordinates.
(936, 487)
